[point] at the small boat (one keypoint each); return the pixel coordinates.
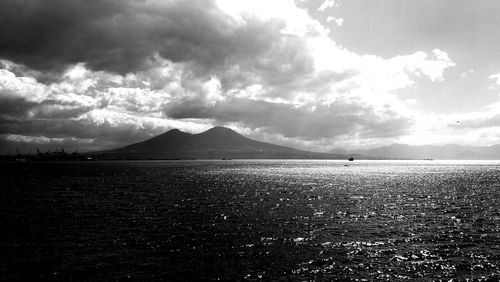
(351, 159)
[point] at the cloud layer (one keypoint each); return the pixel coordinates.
(110, 72)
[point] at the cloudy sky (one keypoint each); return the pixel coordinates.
(312, 74)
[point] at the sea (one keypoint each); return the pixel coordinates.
(234, 220)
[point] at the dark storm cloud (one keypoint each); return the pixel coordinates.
(305, 122)
(285, 59)
(14, 107)
(49, 34)
(79, 129)
(20, 109)
(57, 119)
(125, 35)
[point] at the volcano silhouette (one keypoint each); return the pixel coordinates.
(215, 143)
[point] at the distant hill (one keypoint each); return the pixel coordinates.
(215, 143)
(446, 152)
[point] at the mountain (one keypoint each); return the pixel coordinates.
(446, 152)
(215, 143)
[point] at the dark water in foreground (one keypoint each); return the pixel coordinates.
(270, 220)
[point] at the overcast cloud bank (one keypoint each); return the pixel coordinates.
(101, 74)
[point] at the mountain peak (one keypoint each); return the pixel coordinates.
(175, 131)
(214, 130)
(220, 132)
(220, 129)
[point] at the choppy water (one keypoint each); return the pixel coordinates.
(236, 220)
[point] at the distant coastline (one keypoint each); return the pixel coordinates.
(224, 144)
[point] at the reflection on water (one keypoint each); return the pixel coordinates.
(299, 220)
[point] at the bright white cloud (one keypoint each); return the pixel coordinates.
(337, 21)
(44, 140)
(327, 4)
(496, 78)
(21, 87)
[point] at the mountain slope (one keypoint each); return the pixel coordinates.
(218, 142)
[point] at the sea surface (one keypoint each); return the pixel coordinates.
(250, 220)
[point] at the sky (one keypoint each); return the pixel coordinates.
(310, 74)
